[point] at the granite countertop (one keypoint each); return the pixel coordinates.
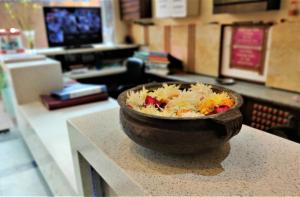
(252, 163)
(51, 128)
(253, 90)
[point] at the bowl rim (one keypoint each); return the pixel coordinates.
(122, 101)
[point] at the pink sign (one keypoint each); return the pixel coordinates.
(246, 57)
(248, 36)
(247, 48)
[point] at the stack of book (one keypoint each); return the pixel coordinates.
(155, 61)
(143, 55)
(159, 58)
(74, 94)
(158, 62)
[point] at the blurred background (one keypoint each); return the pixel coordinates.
(249, 46)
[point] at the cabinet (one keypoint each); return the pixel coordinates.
(275, 118)
(135, 9)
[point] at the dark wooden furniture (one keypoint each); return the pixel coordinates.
(135, 9)
(94, 59)
(271, 117)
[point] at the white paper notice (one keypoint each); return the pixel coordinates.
(163, 8)
(179, 8)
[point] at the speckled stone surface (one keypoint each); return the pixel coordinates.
(253, 163)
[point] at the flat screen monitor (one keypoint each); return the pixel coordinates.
(73, 26)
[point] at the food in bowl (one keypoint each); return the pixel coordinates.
(170, 100)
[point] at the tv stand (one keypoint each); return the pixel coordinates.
(54, 51)
(98, 55)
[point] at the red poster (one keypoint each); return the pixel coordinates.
(247, 48)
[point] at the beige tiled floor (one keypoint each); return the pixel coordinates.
(19, 175)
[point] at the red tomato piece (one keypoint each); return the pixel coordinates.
(152, 101)
(221, 108)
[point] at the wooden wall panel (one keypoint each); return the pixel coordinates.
(138, 34)
(284, 64)
(156, 38)
(146, 35)
(167, 38)
(207, 49)
(196, 45)
(191, 48)
(179, 42)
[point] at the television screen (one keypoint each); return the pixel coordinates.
(73, 26)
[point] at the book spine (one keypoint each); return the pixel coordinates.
(85, 92)
(79, 101)
(159, 54)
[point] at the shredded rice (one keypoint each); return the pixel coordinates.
(199, 100)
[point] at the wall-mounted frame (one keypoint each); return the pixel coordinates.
(245, 52)
(248, 48)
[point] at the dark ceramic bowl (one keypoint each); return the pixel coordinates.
(180, 135)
